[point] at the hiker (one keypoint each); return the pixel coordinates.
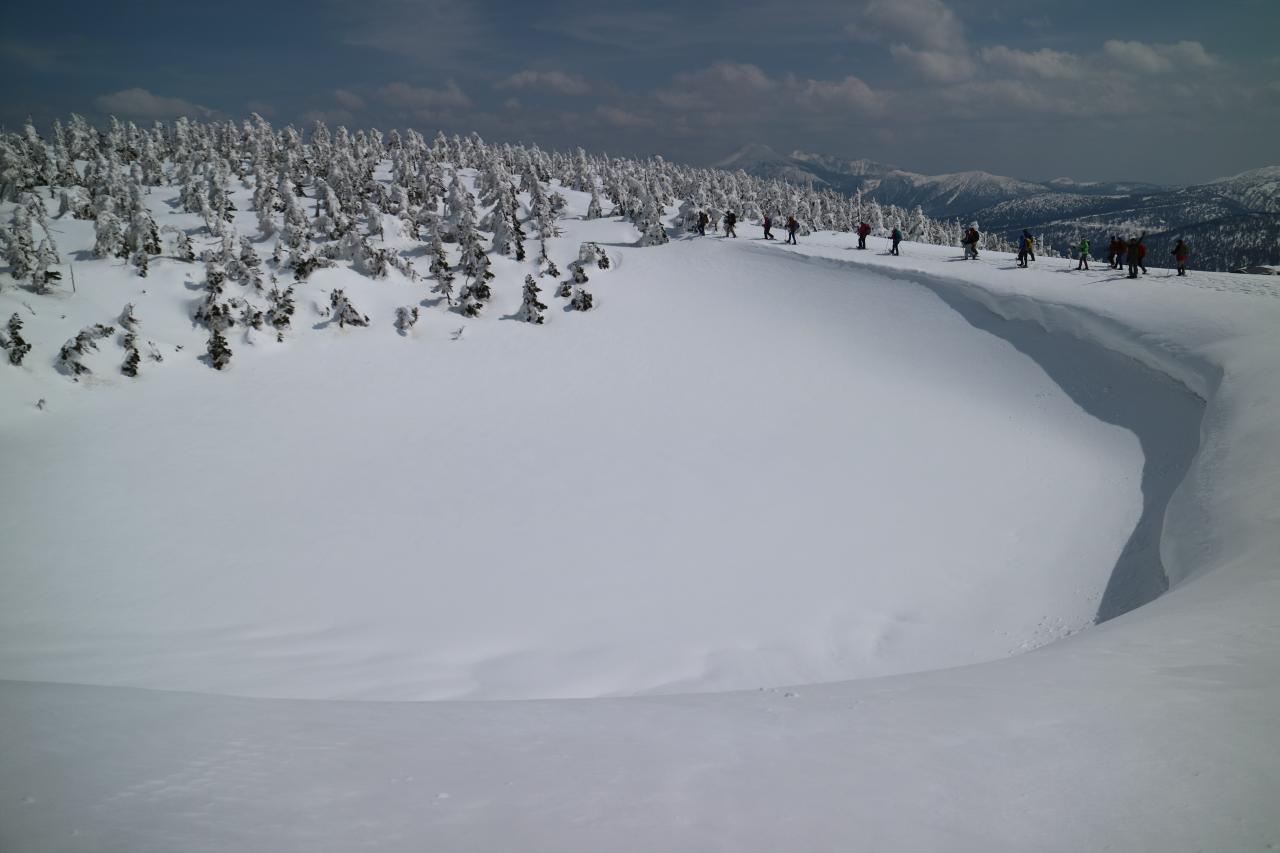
(1135, 243)
(730, 219)
(768, 227)
(897, 238)
(1180, 253)
(792, 228)
(1115, 250)
(970, 242)
(1142, 253)
(703, 219)
(1026, 248)
(863, 231)
(1083, 249)
(1122, 252)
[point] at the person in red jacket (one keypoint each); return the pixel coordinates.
(864, 230)
(1142, 253)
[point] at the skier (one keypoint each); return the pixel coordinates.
(970, 242)
(792, 228)
(703, 219)
(1083, 249)
(897, 238)
(768, 227)
(863, 231)
(1180, 253)
(730, 219)
(1133, 249)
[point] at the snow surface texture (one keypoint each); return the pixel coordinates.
(748, 466)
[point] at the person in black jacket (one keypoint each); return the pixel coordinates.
(897, 238)
(730, 219)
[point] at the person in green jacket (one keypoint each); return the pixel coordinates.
(1084, 254)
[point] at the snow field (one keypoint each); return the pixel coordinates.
(717, 480)
(1154, 730)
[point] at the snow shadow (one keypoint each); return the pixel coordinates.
(1116, 389)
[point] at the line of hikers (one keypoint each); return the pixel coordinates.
(1118, 250)
(731, 221)
(1134, 250)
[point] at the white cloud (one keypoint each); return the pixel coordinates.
(927, 25)
(554, 81)
(37, 57)
(939, 66)
(348, 99)
(621, 118)
(849, 93)
(262, 108)
(1049, 64)
(140, 103)
(419, 98)
(1158, 58)
(732, 94)
(328, 117)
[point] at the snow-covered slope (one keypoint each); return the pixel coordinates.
(738, 507)
(749, 465)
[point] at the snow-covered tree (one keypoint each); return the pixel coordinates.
(531, 309)
(20, 249)
(108, 236)
(43, 277)
(406, 318)
(343, 312)
(13, 342)
(218, 351)
(581, 300)
(86, 339)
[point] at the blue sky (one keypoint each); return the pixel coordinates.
(1169, 92)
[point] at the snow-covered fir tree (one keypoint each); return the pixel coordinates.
(217, 350)
(13, 342)
(343, 312)
(531, 309)
(406, 318)
(281, 307)
(84, 341)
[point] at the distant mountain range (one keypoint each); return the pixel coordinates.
(1231, 223)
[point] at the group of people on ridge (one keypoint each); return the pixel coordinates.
(731, 221)
(1134, 250)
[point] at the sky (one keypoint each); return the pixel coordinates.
(1163, 91)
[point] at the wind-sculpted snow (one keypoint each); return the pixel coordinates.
(746, 465)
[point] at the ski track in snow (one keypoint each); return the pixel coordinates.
(1152, 731)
